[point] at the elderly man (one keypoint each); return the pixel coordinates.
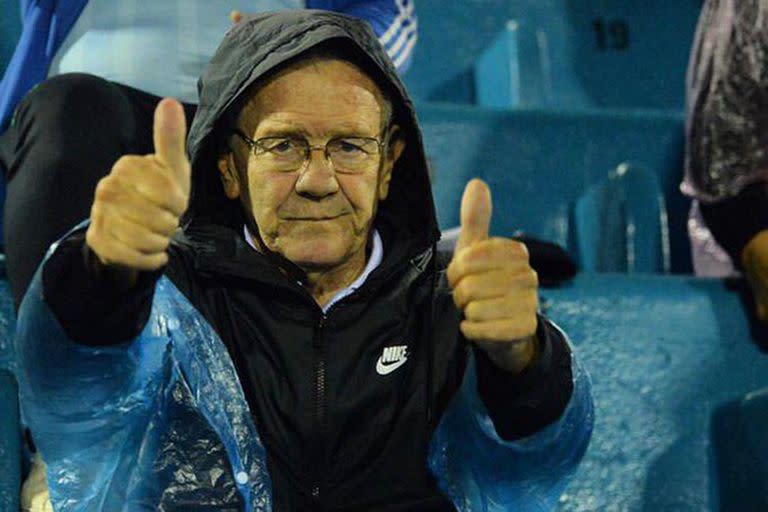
(99, 69)
(296, 344)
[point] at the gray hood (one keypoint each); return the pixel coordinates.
(256, 48)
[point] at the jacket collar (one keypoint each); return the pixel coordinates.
(222, 252)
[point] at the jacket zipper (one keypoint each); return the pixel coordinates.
(319, 406)
(320, 402)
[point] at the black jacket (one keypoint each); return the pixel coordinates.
(339, 436)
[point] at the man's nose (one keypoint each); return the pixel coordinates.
(318, 178)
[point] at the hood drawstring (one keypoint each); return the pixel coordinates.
(290, 269)
(430, 345)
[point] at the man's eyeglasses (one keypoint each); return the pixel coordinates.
(346, 154)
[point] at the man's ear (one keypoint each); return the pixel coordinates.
(394, 151)
(229, 178)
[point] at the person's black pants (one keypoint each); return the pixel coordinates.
(735, 220)
(66, 135)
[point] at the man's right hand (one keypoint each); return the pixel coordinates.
(137, 207)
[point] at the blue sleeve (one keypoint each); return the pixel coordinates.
(129, 426)
(45, 24)
(393, 21)
(481, 472)
(26, 5)
(82, 404)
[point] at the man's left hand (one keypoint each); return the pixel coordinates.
(494, 286)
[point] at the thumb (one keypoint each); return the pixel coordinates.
(170, 134)
(235, 17)
(476, 210)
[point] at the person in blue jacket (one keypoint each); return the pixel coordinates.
(256, 317)
(140, 52)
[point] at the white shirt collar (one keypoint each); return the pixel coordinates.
(377, 254)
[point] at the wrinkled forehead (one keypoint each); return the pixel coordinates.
(316, 89)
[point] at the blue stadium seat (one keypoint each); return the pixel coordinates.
(12, 458)
(7, 322)
(740, 449)
(569, 53)
(539, 163)
(621, 224)
(10, 443)
(665, 354)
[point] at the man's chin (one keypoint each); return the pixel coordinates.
(315, 257)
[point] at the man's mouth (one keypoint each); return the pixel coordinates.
(311, 218)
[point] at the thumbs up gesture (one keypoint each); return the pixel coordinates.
(493, 285)
(137, 207)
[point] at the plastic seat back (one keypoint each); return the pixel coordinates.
(740, 449)
(539, 163)
(621, 224)
(572, 53)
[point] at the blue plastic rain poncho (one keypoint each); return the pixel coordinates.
(163, 422)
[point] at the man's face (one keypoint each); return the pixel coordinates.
(316, 216)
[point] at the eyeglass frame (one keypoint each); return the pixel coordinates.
(253, 144)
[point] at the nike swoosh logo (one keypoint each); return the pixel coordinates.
(386, 369)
